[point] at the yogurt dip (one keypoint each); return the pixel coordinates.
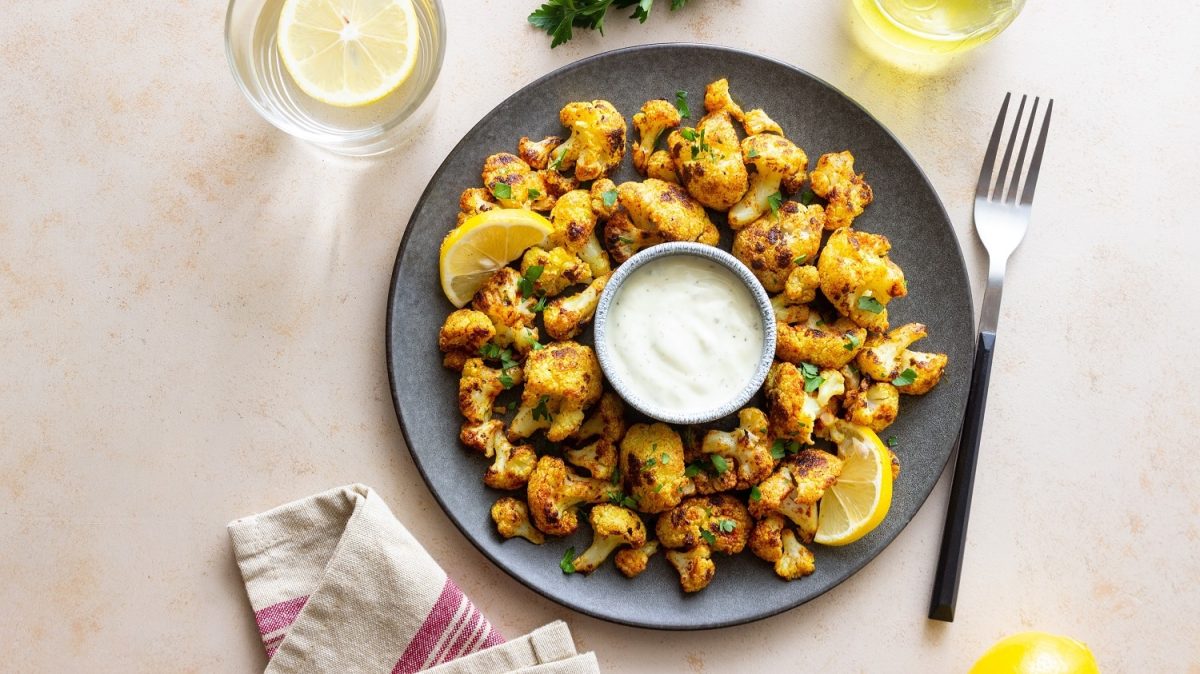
(684, 333)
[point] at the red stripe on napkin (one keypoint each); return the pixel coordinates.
(452, 629)
(278, 616)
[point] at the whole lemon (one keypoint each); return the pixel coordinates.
(1036, 653)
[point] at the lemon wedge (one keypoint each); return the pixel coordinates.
(1037, 653)
(862, 495)
(483, 244)
(348, 52)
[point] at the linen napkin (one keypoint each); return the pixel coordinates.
(338, 584)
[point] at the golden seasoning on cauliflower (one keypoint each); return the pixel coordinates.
(766, 539)
(665, 208)
(607, 419)
(632, 561)
(514, 185)
(660, 166)
(561, 381)
(875, 405)
(796, 486)
(598, 458)
(747, 448)
(858, 278)
(695, 567)
(652, 466)
(463, 333)
(796, 561)
(512, 520)
(473, 201)
(802, 284)
(718, 99)
(511, 466)
(888, 359)
(479, 386)
(655, 117)
(797, 397)
(511, 313)
(537, 154)
(775, 164)
(623, 239)
(574, 220)
(756, 122)
(604, 198)
(773, 246)
(708, 160)
(555, 493)
(597, 141)
(847, 194)
(565, 316)
(826, 344)
(612, 527)
(561, 269)
(720, 521)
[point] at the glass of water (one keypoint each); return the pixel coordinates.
(251, 30)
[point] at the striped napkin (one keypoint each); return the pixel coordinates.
(338, 584)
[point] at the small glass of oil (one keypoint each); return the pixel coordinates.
(922, 33)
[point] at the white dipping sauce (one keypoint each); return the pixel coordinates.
(685, 333)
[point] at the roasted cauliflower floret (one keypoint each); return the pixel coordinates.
(858, 278)
(565, 316)
(874, 406)
(655, 117)
(462, 335)
(555, 493)
(652, 466)
(473, 201)
(597, 141)
(756, 121)
(772, 541)
(802, 284)
(479, 386)
(604, 198)
(719, 521)
(661, 167)
(774, 163)
(560, 269)
(887, 358)
(574, 220)
(623, 239)
(766, 539)
(513, 184)
(748, 447)
(561, 381)
(797, 397)
(598, 458)
(717, 99)
(612, 527)
(537, 154)
(665, 208)
(813, 340)
(774, 246)
(633, 561)
(847, 194)
(695, 567)
(512, 519)
(800, 480)
(795, 560)
(511, 465)
(708, 161)
(607, 419)
(511, 313)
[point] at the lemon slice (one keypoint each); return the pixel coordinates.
(348, 52)
(862, 495)
(1037, 653)
(483, 244)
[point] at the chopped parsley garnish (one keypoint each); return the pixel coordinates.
(616, 475)
(505, 357)
(534, 194)
(629, 502)
(800, 259)
(688, 135)
(541, 304)
(812, 377)
(512, 405)
(681, 104)
(708, 536)
(664, 458)
(540, 412)
(755, 493)
(558, 159)
(719, 463)
(692, 470)
(726, 525)
(531, 275)
(567, 564)
(777, 450)
(659, 487)
(538, 346)
(852, 342)
(502, 190)
(651, 462)
(775, 201)
(868, 303)
(907, 377)
(506, 381)
(752, 153)
(892, 441)
(609, 198)
(625, 239)
(808, 197)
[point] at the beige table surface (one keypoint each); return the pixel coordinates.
(192, 316)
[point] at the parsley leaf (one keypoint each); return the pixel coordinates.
(708, 536)
(625, 239)
(688, 135)
(777, 450)
(567, 564)
(726, 525)
(752, 153)
(506, 381)
(808, 197)
(558, 159)
(892, 441)
(775, 201)
(534, 194)
(629, 502)
(907, 377)
(502, 190)
(800, 259)
(755, 493)
(812, 377)
(651, 462)
(531, 275)
(692, 471)
(541, 304)
(540, 412)
(868, 303)
(659, 487)
(681, 104)
(665, 458)
(852, 342)
(720, 463)
(609, 198)
(538, 346)
(616, 475)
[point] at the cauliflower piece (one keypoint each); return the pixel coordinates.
(875, 406)
(598, 458)
(565, 316)
(695, 567)
(887, 357)
(719, 521)
(623, 239)
(665, 208)
(858, 278)
(633, 561)
(655, 117)
(800, 480)
(463, 333)
(473, 201)
(512, 519)
(748, 447)
(813, 340)
(652, 466)
(512, 466)
(479, 386)
(708, 161)
(561, 269)
(774, 162)
(756, 122)
(895, 460)
(514, 185)
(606, 421)
(793, 410)
(787, 312)
(612, 527)
(604, 198)
(846, 193)
(717, 99)
(795, 560)
(660, 166)
(802, 284)
(772, 541)
(597, 141)
(500, 299)
(766, 539)
(574, 221)
(537, 155)
(774, 245)
(561, 381)
(555, 494)
(557, 184)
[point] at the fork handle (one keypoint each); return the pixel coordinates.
(954, 536)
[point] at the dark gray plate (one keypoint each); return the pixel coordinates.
(819, 119)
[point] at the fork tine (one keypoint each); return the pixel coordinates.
(1016, 175)
(989, 158)
(1002, 174)
(1036, 163)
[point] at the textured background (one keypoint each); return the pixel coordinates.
(191, 323)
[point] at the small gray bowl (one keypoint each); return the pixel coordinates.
(604, 349)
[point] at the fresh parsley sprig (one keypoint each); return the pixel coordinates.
(558, 17)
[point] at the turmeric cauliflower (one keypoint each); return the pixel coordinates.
(562, 380)
(748, 447)
(537, 154)
(652, 212)
(565, 316)
(513, 184)
(511, 465)
(473, 201)
(612, 527)
(512, 520)
(695, 567)
(597, 141)
(888, 358)
(479, 386)
(875, 405)
(500, 299)
(776, 244)
(463, 333)
(719, 521)
(775, 164)
(652, 466)
(633, 561)
(708, 161)
(655, 117)
(847, 194)
(560, 269)
(555, 493)
(797, 397)
(827, 344)
(662, 167)
(858, 278)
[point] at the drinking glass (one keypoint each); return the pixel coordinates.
(931, 29)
